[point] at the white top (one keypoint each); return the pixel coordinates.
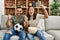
(34, 23)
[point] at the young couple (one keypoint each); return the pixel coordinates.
(31, 19)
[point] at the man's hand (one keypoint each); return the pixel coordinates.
(8, 23)
(9, 17)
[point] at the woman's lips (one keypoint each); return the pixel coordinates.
(31, 13)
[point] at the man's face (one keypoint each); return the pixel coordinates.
(19, 11)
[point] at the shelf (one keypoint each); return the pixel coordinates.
(23, 7)
(24, 10)
(21, 3)
(33, 3)
(11, 5)
(10, 11)
(41, 7)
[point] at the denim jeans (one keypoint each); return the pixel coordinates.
(39, 34)
(22, 35)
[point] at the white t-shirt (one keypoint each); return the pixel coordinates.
(34, 23)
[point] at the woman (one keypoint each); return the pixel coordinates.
(33, 21)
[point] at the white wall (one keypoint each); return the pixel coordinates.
(1, 8)
(51, 1)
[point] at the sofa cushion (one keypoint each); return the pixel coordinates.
(55, 33)
(52, 22)
(3, 21)
(2, 33)
(48, 36)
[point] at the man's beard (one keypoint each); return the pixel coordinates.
(18, 15)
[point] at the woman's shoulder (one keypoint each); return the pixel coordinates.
(39, 15)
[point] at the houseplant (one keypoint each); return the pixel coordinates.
(55, 8)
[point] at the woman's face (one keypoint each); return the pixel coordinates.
(31, 11)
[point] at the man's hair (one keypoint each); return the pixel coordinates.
(18, 8)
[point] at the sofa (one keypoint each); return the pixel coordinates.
(50, 27)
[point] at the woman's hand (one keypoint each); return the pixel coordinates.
(43, 7)
(26, 24)
(45, 11)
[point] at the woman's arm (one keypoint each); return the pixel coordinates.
(45, 12)
(26, 24)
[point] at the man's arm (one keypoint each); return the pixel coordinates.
(8, 23)
(45, 12)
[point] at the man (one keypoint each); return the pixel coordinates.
(18, 18)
